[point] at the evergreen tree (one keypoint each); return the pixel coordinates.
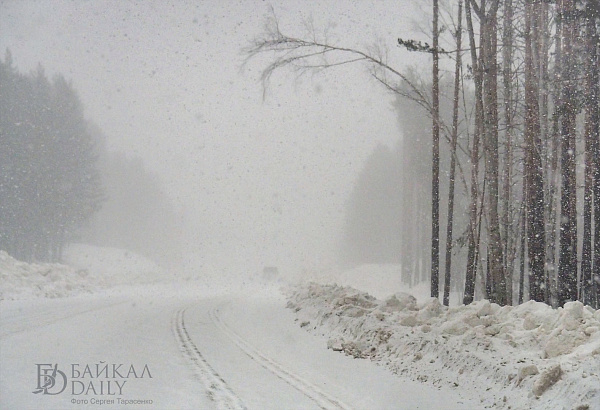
(49, 183)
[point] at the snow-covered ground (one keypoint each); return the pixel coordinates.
(86, 269)
(523, 357)
(203, 346)
(237, 346)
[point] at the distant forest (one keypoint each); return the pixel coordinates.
(59, 184)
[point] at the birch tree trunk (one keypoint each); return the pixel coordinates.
(591, 249)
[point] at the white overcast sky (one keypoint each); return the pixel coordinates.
(260, 180)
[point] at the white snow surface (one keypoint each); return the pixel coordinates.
(86, 269)
(113, 266)
(463, 357)
(523, 357)
(205, 348)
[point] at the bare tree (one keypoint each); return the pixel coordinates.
(472, 237)
(590, 252)
(594, 61)
(567, 275)
(533, 162)
(489, 45)
(304, 54)
(553, 176)
(457, 77)
(507, 82)
(435, 161)
(523, 242)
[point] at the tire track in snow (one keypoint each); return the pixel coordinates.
(216, 388)
(322, 399)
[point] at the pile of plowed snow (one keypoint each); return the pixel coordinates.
(86, 269)
(20, 280)
(521, 357)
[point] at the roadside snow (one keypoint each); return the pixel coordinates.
(20, 280)
(86, 269)
(112, 266)
(522, 357)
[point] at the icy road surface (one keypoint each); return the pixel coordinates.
(181, 347)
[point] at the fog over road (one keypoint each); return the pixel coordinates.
(178, 346)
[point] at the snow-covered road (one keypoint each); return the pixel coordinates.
(180, 347)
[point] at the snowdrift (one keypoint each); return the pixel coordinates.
(521, 357)
(20, 280)
(86, 269)
(381, 281)
(112, 266)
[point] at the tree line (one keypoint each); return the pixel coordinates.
(49, 184)
(522, 140)
(59, 183)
